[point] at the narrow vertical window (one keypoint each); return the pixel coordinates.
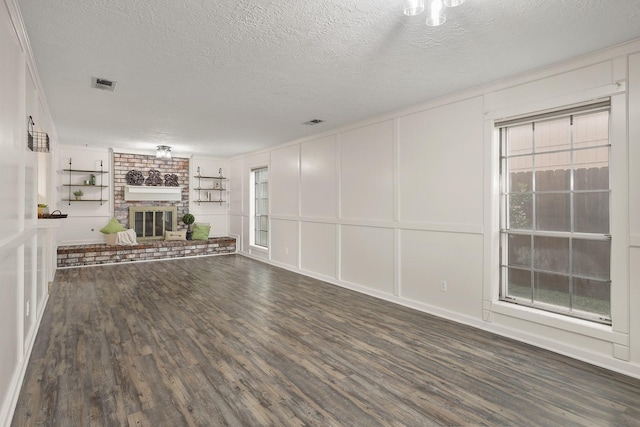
(261, 207)
(555, 243)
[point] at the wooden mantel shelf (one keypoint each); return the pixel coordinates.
(148, 192)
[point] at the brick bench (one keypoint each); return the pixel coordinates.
(96, 254)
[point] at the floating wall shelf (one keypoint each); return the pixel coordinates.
(216, 185)
(93, 196)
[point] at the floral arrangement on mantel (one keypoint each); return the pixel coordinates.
(171, 180)
(154, 179)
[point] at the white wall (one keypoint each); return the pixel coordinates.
(215, 214)
(396, 205)
(85, 219)
(440, 175)
(284, 185)
(24, 266)
(319, 178)
(366, 170)
(634, 207)
(239, 221)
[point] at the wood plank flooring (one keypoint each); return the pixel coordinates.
(228, 341)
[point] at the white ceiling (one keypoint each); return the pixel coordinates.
(225, 77)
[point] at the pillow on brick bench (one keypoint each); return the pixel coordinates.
(201, 232)
(175, 235)
(112, 227)
(110, 239)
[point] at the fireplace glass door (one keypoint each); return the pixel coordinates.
(151, 222)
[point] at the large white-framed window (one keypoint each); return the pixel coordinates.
(260, 207)
(555, 238)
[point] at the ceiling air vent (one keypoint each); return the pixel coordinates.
(104, 84)
(313, 122)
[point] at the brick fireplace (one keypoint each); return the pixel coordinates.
(123, 163)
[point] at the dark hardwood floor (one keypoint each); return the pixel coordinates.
(231, 341)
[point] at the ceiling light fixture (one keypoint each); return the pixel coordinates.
(436, 9)
(413, 7)
(163, 152)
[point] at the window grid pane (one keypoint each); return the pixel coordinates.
(555, 182)
(261, 206)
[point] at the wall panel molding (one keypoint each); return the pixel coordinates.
(423, 226)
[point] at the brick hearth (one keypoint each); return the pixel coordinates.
(96, 254)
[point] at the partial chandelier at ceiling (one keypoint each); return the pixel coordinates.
(163, 152)
(436, 9)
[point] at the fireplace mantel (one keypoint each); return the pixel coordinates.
(144, 192)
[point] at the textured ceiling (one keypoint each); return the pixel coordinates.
(226, 77)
